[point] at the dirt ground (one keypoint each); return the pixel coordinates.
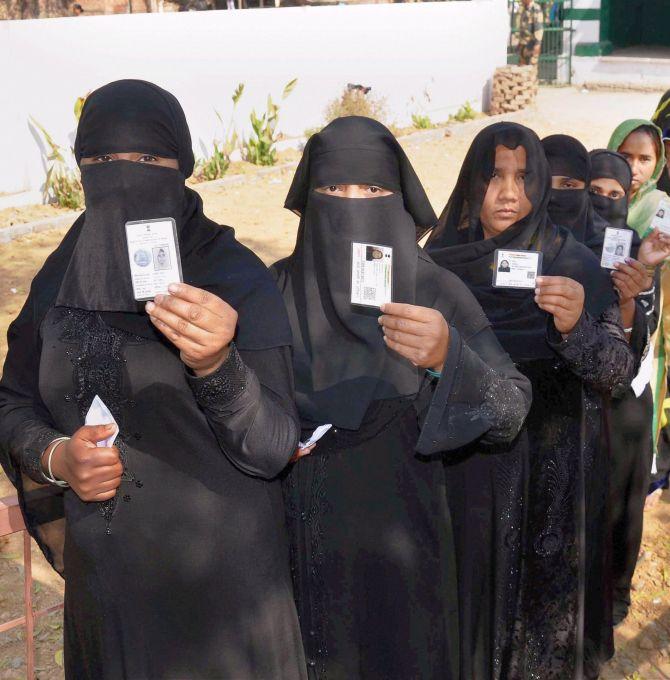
(254, 208)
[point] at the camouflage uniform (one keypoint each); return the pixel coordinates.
(531, 28)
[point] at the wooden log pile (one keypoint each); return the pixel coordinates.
(514, 88)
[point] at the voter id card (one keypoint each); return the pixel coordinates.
(616, 246)
(661, 219)
(371, 274)
(153, 252)
(516, 268)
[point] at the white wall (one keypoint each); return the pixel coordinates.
(449, 49)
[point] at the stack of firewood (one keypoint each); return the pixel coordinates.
(514, 87)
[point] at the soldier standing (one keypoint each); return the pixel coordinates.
(531, 29)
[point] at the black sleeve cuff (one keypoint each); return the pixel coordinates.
(224, 385)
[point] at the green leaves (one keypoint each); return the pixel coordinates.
(259, 148)
(61, 185)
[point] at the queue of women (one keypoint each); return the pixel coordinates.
(475, 509)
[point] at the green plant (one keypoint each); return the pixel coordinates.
(79, 105)
(355, 102)
(260, 147)
(62, 185)
(216, 165)
(466, 112)
(421, 122)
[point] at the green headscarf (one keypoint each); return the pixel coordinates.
(643, 206)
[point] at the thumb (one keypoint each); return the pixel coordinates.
(96, 433)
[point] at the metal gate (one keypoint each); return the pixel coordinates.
(555, 65)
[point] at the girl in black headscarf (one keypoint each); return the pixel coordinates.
(661, 118)
(171, 542)
(372, 544)
(566, 337)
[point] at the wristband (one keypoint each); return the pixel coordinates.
(433, 374)
(50, 477)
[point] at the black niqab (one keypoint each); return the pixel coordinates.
(571, 208)
(90, 269)
(607, 164)
(457, 244)
(340, 361)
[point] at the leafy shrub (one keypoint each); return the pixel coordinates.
(216, 165)
(260, 147)
(62, 185)
(466, 112)
(357, 102)
(421, 122)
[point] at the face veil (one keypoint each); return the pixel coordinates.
(611, 165)
(340, 361)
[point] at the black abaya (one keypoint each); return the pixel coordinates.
(372, 547)
(556, 454)
(185, 572)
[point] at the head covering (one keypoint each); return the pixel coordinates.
(611, 165)
(642, 207)
(90, 268)
(571, 208)
(368, 154)
(458, 244)
(340, 361)
(661, 118)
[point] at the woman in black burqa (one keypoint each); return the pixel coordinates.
(172, 543)
(566, 337)
(372, 548)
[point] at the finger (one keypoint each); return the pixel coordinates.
(406, 311)
(637, 265)
(558, 289)
(95, 433)
(201, 297)
(627, 285)
(104, 496)
(111, 480)
(104, 457)
(624, 290)
(407, 339)
(179, 326)
(408, 352)
(551, 309)
(402, 324)
(556, 300)
(195, 314)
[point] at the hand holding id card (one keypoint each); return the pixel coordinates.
(371, 274)
(153, 252)
(516, 268)
(616, 247)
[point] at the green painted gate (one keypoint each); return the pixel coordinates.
(555, 64)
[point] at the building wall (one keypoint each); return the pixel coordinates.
(448, 50)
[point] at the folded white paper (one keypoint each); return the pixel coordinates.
(316, 435)
(99, 414)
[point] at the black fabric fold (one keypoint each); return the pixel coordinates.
(457, 244)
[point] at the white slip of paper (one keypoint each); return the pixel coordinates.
(99, 414)
(316, 435)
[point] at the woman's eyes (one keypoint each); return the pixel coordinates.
(333, 188)
(147, 159)
(374, 189)
(595, 190)
(103, 159)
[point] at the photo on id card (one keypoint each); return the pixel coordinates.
(153, 252)
(661, 219)
(616, 247)
(371, 274)
(516, 268)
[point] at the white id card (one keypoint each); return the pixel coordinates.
(153, 252)
(661, 219)
(616, 246)
(371, 274)
(516, 268)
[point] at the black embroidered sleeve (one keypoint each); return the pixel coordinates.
(248, 402)
(480, 394)
(597, 351)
